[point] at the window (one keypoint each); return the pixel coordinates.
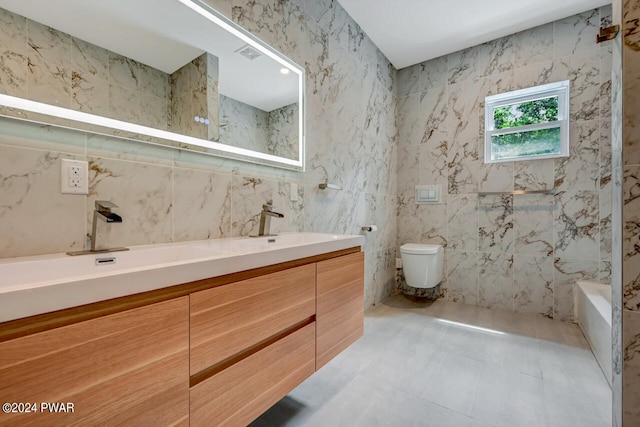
(527, 124)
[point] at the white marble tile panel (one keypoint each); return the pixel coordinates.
(13, 54)
(584, 73)
(36, 217)
(463, 65)
(124, 71)
(462, 277)
(533, 285)
(409, 80)
(123, 149)
(631, 237)
(433, 224)
(248, 196)
(89, 77)
(534, 175)
(567, 272)
(495, 281)
(496, 56)
(576, 225)
(293, 211)
(411, 127)
(140, 191)
(462, 222)
(463, 165)
(533, 224)
(435, 73)
(495, 223)
(605, 81)
(534, 45)
(201, 205)
(49, 57)
(434, 168)
(409, 157)
(463, 111)
(630, 366)
(581, 170)
(433, 105)
(408, 220)
(576, 34)
(124, 103)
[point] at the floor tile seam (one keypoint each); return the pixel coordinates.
(422, 398)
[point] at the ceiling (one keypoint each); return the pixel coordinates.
(412, 31)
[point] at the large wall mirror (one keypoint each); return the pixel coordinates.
(172, 72)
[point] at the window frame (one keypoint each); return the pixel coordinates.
(559, 89)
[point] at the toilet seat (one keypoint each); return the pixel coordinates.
(418, 249)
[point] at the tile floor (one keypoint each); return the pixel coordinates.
(427, 364)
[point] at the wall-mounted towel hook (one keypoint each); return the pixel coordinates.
(608, 33)
(325, 185)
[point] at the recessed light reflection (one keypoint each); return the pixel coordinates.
(285, 70)
(475, 328)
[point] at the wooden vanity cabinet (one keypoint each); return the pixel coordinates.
(252, 342)
(215, 352)
(229, 319)
(129, 368)
(339, 305)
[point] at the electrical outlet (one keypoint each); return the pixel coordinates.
(398, 263)
(293, 189)
(74, 177)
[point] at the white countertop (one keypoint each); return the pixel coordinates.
(41, 284)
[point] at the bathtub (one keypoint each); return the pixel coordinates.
(593, 313)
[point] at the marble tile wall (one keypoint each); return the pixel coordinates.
(43, 64)
(169, 195)
(243, 125)
(626, 215)
(283, 131)
(517, 253)
(194, 93)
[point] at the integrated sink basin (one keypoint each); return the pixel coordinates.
(41, 284)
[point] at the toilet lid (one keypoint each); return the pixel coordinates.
(415, 248)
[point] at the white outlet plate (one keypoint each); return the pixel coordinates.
(74, 177)
(294, 192)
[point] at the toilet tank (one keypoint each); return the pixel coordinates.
(423, 265)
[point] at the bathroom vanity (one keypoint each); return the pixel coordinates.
(217, 350)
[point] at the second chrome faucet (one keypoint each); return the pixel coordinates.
(265, 219)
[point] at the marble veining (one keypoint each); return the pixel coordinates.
(551, 240)
(495, 225)
(351, 134)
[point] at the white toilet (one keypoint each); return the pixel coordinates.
(422, 264)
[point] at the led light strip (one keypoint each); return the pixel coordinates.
(79, 116)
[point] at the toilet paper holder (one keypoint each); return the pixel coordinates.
(369, 228)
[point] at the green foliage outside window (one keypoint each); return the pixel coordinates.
(526, 143)
(526, 113)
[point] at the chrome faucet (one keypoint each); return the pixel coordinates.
(265, 219)
(103, 212)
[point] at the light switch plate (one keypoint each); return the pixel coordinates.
(427, 194)
(74, 177)
(293, 188)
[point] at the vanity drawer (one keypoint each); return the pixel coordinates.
(340, 305)
(241, 392)
(129, 368)
(229, 319)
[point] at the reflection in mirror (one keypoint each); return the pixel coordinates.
(185, 77)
